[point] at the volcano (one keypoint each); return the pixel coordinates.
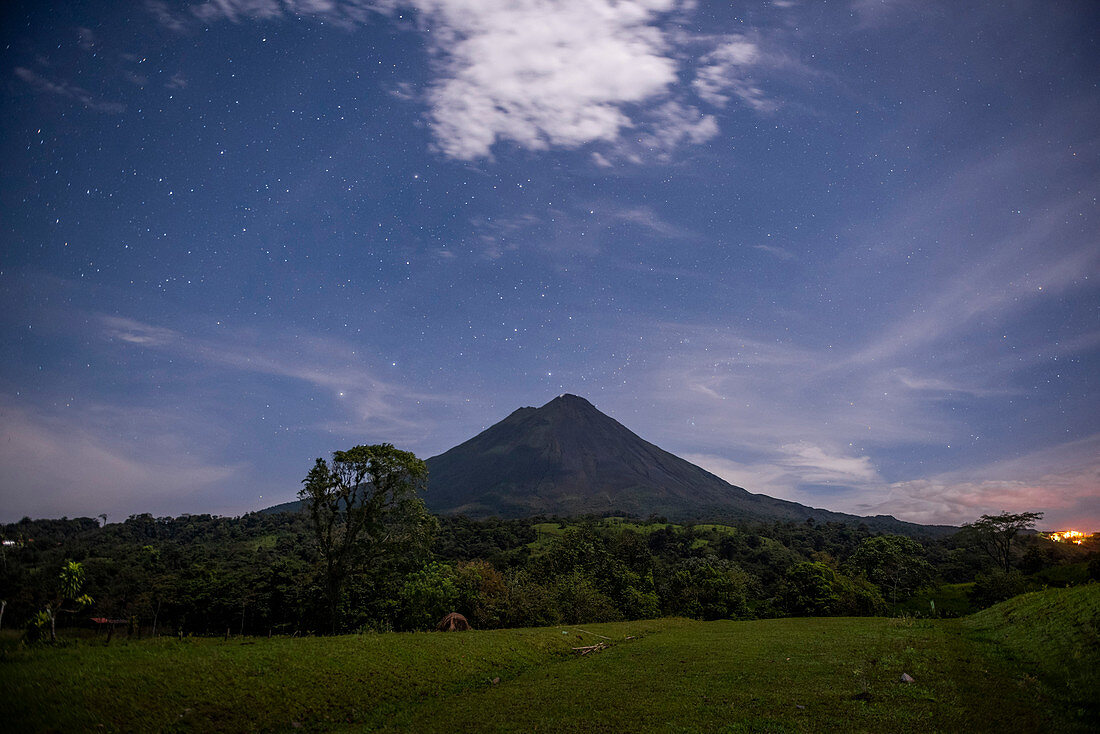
(567, 458)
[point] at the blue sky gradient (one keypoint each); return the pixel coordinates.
(843, 253)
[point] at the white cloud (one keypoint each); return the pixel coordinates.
(816, 465)
(723, 74)
(789, 420)
(166, 15)
(544, 73)
(136, 332)
(646, 218)
(86, 38)
(1062, 481)
(758, 478)
(669, 127)
(779, 252)
(1017, 263)
(875, 13)
(583, 228)
(783, 473)
(346, 14)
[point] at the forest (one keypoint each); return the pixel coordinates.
(263, 574)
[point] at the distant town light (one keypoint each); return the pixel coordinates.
(1068, 536)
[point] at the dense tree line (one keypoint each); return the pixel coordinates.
(263, 574)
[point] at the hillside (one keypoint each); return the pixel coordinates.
(1056, 634)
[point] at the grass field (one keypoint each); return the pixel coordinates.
(1027, 665)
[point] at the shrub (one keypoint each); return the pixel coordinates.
(996, 587)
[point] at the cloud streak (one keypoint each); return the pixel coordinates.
(368, 403)
(67, 91)
(724, 73)
(84, 460)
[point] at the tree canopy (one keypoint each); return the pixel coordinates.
(362, 506)
(893, 563)
(995, 534)
(264, 573)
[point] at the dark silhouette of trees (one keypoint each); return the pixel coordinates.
(996, 534)
(266, 572)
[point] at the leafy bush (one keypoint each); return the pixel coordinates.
(38, 627)
(813, 588)
(482, 596)
(996, 587)
(428, 595)
(706, 588)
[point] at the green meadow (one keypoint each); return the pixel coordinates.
(1028, 664)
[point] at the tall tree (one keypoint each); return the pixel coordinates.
(364, 505)
(995, 534)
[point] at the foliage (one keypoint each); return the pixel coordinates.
(427, 595)
(996, 586)
(895, 564)
(709, 589)
(481, 594)
(814, 588)
(810, 590)
(942, 601)
(578, 600)
(528, 602)
(38, 627)
(69, 584)
(363, 507)
(857, 597)
(262, 574)
(996, 534)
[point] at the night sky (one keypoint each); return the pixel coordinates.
(844, 253)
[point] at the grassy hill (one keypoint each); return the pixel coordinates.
(1052, 635)
(1025, 665)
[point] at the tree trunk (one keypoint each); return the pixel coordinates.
(333, 605)
(333, 588)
